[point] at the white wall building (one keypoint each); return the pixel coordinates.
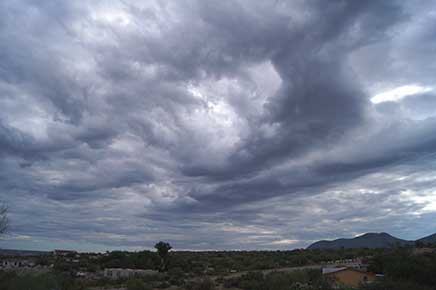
(118, 273)
(8, 264)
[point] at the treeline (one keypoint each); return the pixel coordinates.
(224, 261)
(404, 270)
(302, 279)
(135, 260)
(221, 262)
(10, 280)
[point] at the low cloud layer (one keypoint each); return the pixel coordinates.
(216, 125)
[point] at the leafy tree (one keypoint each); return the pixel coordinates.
(202, 284)
(419, 244)
(400, 265)
(163, 252)
(137, 284)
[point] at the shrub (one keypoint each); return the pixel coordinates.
(202, 284)
(137, 284)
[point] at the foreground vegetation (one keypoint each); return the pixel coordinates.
(403, 270)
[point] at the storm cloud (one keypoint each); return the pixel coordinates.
(216, 124)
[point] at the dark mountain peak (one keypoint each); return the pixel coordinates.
(368, 240)
(428, 239)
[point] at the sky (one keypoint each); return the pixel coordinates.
(216, 125)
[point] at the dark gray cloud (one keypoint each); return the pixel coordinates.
(216, 125)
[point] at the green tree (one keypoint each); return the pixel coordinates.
(137, 284)
(202, 284)
(419, 244)
(163, 252)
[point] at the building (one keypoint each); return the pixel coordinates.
(422, 251)
(348, 276)
(9, 264)
(356, 263)
(118, 273)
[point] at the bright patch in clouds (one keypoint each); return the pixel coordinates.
(426, 199)
(284, 242)
(399, 93)
(112, 17)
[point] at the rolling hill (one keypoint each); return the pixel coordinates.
(429, 239)
(369, 240)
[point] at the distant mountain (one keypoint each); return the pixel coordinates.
(369, 240)
(10, 252)
(429, 239)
